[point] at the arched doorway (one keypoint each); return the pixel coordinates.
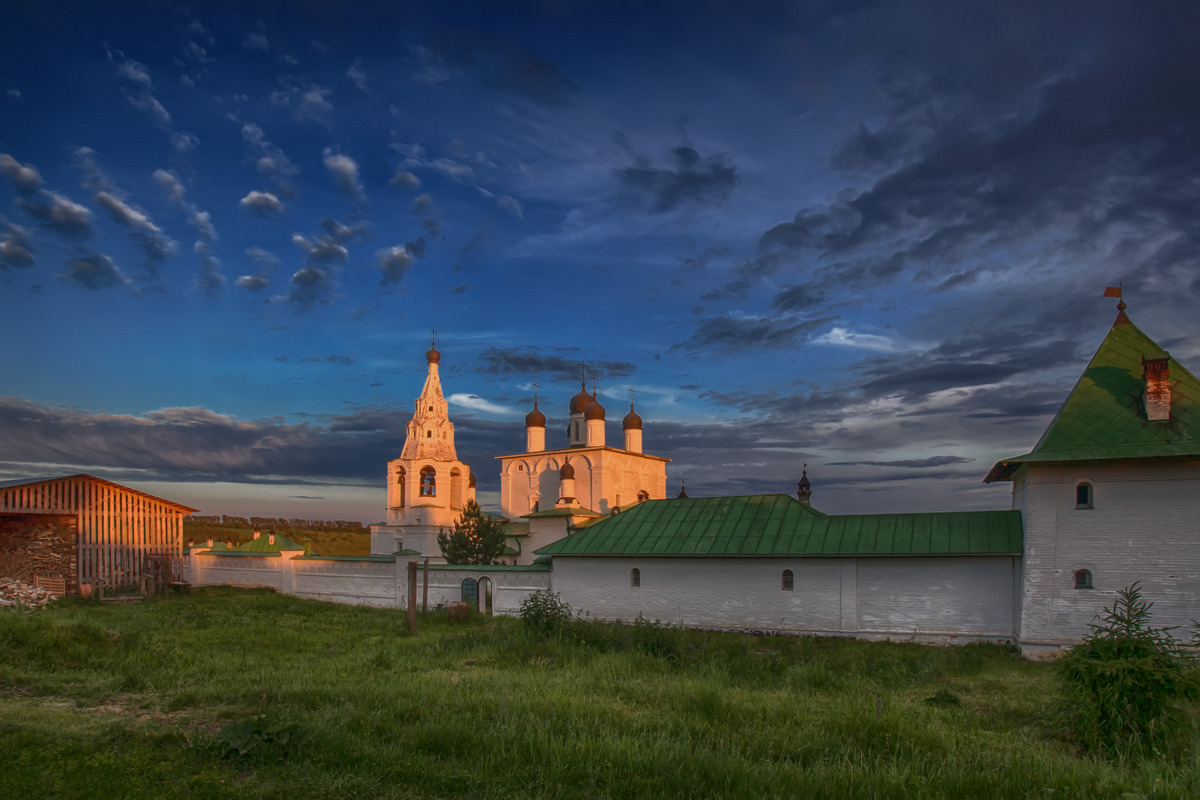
(485, 596)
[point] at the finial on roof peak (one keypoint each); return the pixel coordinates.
(1115, 291)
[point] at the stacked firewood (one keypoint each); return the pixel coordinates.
(22, 595)
(31, 546)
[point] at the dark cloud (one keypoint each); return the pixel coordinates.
(725, 334)
(996, 136)
(210, 280)
(94, 272)
(534, 364)
(155, 245)
(938, 377)
(60, 215)
(16, 250)
(266, 262)
(395, 262)
(499, 64)
(270, 160)
(907, 463)
(24, 177)
(688, 179)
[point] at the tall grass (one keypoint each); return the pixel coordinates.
(139, 700)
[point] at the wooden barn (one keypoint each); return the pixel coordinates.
(122, 537)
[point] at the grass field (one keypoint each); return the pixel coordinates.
(234, 693)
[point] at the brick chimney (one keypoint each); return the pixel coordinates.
(1157, 375)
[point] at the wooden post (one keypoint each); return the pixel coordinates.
(412, 597)
(425, 592)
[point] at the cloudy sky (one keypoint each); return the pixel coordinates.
(867, 236)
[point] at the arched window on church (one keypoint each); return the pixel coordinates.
(456, 488)
(635, 577)
(1083, 579)
(788, 582)
(400, 486)
(428, 482)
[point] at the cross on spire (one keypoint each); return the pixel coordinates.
(433, 338)
(536, 386)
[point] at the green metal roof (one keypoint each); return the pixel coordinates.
(515, 529)
(570, 511)
(1104, 417)
(387, 559)
(779, 525)
(535, 567)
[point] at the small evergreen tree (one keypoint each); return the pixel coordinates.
(476, 538)
(1125, 681)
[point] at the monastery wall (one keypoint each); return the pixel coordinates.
(936, 598)
(1143, 524)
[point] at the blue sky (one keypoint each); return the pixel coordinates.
(867, 236)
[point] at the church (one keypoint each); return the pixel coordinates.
(1108, 496)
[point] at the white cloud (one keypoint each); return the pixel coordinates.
(148, 104)
(477, 403)
(345, 173)
(405, 180)
(313, 105)
(357, 75)
(261, 203)
(13, 94)
(865, 341)
(512, 206)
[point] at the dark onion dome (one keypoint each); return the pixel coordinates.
(631, 422)
(581, 401)
(471, 480)
(567, 473)
(432, 355)
(594, 411)
(535, 418)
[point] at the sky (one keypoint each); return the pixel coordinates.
(869, 237)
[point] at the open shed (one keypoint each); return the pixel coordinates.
(123, 537)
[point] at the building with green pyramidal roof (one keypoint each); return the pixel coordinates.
(1110, 494)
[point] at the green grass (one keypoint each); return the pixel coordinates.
(141, 700)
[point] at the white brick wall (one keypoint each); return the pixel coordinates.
(971, 597)
(1144, 526)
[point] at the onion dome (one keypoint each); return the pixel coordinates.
(582, 400)
(535, 418)
(432, 355)
(631, 422)
(471, 480)
(567, 473)
(594, 410)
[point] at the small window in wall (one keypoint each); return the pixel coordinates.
(788, 583)
(1083, 579)
(470, 592)
(635, 577)
(1083, 495)
(428, 434)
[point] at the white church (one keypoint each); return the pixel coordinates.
(1108, 496)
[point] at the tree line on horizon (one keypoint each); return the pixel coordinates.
(265, 523)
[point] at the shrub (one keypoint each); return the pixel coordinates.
(544, 613)
(458, 612)
(1125, 681)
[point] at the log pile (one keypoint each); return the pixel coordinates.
(22, 595)
(34, 545)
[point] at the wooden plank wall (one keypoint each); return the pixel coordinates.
(117, 527)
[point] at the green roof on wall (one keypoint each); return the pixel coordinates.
(779, 525)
